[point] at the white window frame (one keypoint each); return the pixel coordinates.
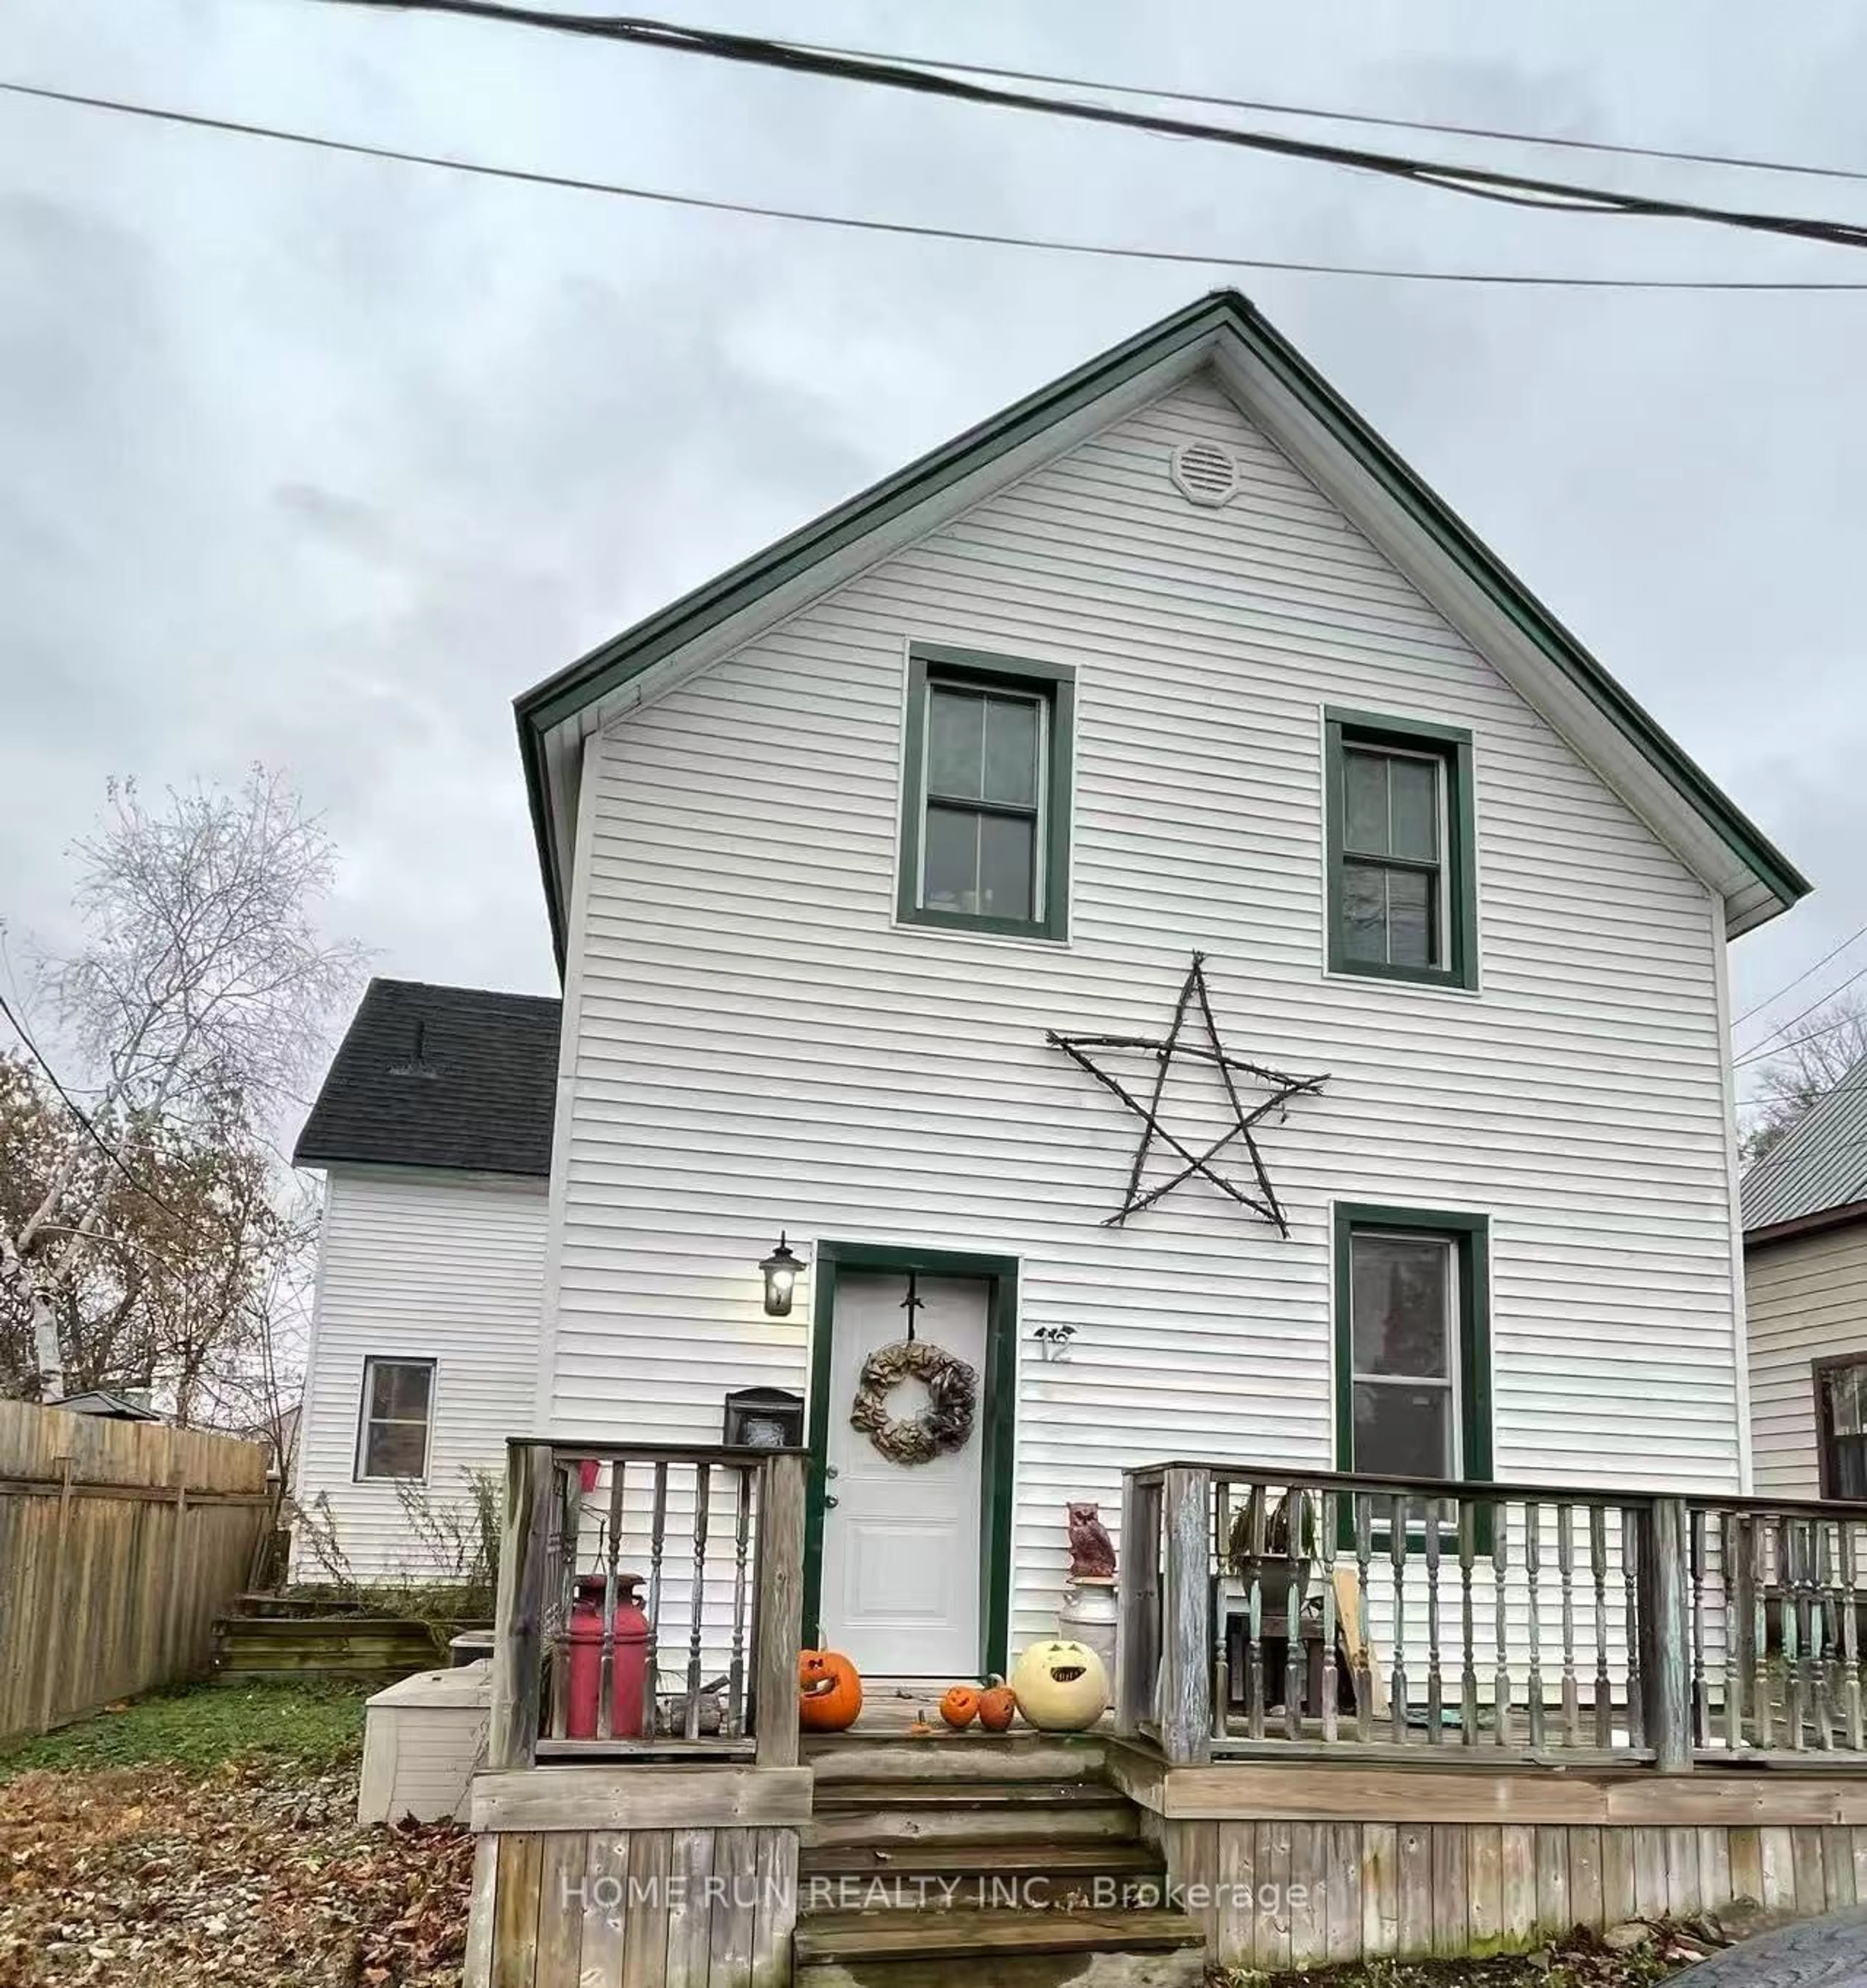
(1041, 847)
(360, 1473)
(1452, 1381)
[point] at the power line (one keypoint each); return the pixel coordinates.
(1770, 1000)
(1792, 1042)
(83, 1118)
(872, 225)
(1477, 182)
(1757, 1048)
(1493, 133)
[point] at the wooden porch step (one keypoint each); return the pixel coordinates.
(958, 1875)
(969, 1756)
(852, 1937)
(962, 1812)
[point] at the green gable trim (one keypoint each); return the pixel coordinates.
(1058, 682)
(998, 1423)
(1460, 908)
(562, 696)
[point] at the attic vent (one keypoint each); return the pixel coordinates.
(1204, 473)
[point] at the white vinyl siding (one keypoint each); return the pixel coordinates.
(418, 1265)
(1807, 1300)
(758, 1048)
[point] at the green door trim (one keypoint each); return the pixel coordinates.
(998, 1420)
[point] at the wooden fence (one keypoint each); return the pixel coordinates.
(119, 1542)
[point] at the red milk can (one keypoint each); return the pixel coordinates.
(629, 1671)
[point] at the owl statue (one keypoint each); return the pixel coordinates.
(1092, 1552)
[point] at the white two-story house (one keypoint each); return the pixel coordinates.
(878, 867)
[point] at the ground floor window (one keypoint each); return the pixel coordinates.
(1841, 1423)
(398, 1400)
(1412, 1343)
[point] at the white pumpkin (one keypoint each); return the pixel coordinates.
(1061, 1686)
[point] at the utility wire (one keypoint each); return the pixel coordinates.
(1479, 182)
(1760, 1046)
(1770, 1048)
(83, 1118)
(864, 223)
(1770, 1000)
(1493, 134)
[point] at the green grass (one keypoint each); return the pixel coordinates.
(311, 1726)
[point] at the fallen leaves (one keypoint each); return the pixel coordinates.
(256, 1874)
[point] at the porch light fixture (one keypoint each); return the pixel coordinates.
(780, 1269)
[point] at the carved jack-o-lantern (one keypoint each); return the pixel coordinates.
(960, 1706)
(828, 1691)
(1061, 1687)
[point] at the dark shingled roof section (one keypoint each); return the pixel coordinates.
(440, 1076)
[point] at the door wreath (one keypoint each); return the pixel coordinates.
(941, 1427)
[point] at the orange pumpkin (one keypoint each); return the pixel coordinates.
(918, 1728)
(829, 1691)
(960, 1706)
(997, 1708)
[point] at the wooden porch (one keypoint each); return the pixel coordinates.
(1353, 1717)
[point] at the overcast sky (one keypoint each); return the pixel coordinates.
(320, 461)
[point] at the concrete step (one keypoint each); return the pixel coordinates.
(962, 1811)
(1032, 1874)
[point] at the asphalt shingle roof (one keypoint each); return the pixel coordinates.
(440, 1076)
(1820, 1163)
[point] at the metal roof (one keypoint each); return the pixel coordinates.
(1820, 1163)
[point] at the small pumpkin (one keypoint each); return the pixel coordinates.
(998, 1706)
(918, 1727)
(1061, 1686)
(829, 1691)
(960, 1706)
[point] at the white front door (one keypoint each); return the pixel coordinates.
(903, 1543)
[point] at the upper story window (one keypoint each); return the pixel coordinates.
(1402, 895)
(985, 841)
(398, 1400)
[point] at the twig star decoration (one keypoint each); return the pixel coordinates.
(1164, 1048)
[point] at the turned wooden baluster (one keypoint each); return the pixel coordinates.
(1631, 1520)
(1565, 1573)
(1733, 1555)
(1254, 1614)
(1763, 1692)
(696, 1612)
(1397, 1553)
(1296, 1601)
(1850, 1639)
(1222, 1657)
(566, 1587)
(1329, 1687)
(1364, 1655)
(742, 1545)
(1795, 1679)
(658, 1538)
(1435, 1703)
(1468, 1667)
(1501, 1622)
(1825, 1628)
(1701, 1691)
(612, 1543)
(1532, 1571)
(1598, 1572)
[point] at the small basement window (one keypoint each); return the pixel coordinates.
(985, 794)
(398, 1400)
(1402, 897)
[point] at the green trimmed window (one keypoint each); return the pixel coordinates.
(1412, 1343)
(985, 841)
(1403, 901)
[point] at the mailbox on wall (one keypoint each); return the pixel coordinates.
(764, 1418)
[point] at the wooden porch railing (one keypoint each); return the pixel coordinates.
(1261, 1609)
(713, 1539)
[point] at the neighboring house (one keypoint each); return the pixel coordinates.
(1176, 655)
(1805, 1275)
(110, 1405)
(434, 1130)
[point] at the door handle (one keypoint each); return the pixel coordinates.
(829, 1499)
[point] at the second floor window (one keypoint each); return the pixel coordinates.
(1402, 901)
(985, 795)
